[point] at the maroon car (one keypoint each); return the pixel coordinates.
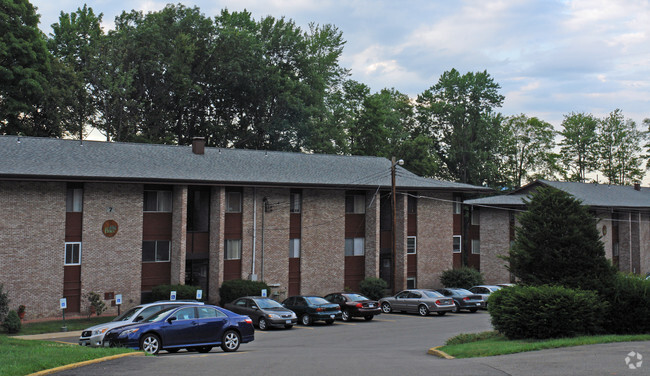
(354, 305)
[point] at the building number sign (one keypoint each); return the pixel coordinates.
(109, 228)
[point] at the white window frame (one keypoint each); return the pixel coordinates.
(476, 246)
(228, 250)
(164, 202)
(74, 200)
(65, 254)
(295, 202)
(358, 204)
(294, 248)
(458, 205)
(155, 252)
(228, 202)
(412, 250)
(460, 244)
(476, 217)
(355, 246)
(415, 284)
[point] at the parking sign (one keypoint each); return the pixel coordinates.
(118, 299)
(199, 294)
(264, 293)
(172, 295)
(63, 303)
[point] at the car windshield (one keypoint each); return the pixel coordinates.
(158, 316)
(356, 297)
(462, 291)
(494, 288)
(433, 294)
(267, 303)
(316, 300)
(126, 316)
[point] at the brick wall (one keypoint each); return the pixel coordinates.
(625, 242)
(495, 241)
(372, 235)
(215, 272)
(179, 235)
(435, 238)
(32, 234)
(112, 264)
(644, 244)
(323, 242)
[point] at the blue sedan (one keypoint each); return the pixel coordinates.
(199, 327)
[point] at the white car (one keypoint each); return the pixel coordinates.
(94, 335)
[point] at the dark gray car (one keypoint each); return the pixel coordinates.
(264, 312)
(463, 299)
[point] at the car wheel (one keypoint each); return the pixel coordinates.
(345, 315)
(473, 310)
(368, 318)
(150, 344)
(230, 341)
(329, 322)
(385, 307)
(305, 319)
(204, 349)
(456, 308)
(172, 351)
(288, 326)
(441, 313)
(423, 310)
(262, 324)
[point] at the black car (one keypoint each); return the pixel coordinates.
(354, 305)
(264, 312)
(313, 308)
(463, 299)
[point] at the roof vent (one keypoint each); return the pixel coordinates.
(198, 145)
(637, 186)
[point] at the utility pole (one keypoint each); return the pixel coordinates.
(393, 167)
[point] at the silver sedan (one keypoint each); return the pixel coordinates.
(421, 301)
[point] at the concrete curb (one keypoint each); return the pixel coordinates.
(53, 335)
(439, 353)
(84, 363)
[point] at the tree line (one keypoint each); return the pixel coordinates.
(171, 75)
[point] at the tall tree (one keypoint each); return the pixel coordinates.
(24, 68)
(579, 145)
(458, 114)
(620, 147)
(529, 148)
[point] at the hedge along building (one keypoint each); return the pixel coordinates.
(121, 218)
(624, 224)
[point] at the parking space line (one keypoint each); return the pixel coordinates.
(346, 323)
(382, 320)
(303, 327)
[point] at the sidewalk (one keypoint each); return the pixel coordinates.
(55, 335)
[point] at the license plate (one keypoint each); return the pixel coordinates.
(332, 316)
(288, 321)
(371, 305)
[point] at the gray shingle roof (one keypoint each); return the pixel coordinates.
(594, 195)
(58, 159)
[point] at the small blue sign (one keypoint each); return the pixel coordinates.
(172, 295)
(118, 299)
(63, 303)
(264, 293)
(199, 294)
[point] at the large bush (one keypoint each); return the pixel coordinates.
(4, 304)
(629, 305)
(12, 322)
(183, 292)
(546, 312)
(236, 288)
(373, 288)
(557, 242)
(464, 277)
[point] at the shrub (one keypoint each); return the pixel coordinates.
(236, 288)
(629, 305)
(96, 303)
(183, 292)
(12, 322)
(464, 277)
(373, 288)
(4, 304)
(546, 312)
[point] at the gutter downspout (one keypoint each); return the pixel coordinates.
(253, 275)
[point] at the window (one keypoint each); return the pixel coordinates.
(476, 218)
(411, 246)
(476, 247)
(410, 283)
(615, 249)
(156, 250)
(457, 243)
(158, 201)
(233, 249)
(354, 247)
(74, 200)
(457, 205)
(294, 248)
(72, 254)
(186, 314)
(233, 202)
(209, 313)
(355, 204)
(295, 203)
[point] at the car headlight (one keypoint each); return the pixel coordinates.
(99, 331)
(128, 331)
(273, 316)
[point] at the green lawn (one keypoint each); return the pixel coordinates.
(492, 343)
(22, 357)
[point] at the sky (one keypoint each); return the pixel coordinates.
(550, 57)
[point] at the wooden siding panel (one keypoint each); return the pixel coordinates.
(231, 270)
(412, 265)
(72, 287)
(73, 226)
(233, 226)
(295, 221)
(355, 225)
(294, 276)
(154, 274)
(157, 226)
(354, 271)
(412, 225)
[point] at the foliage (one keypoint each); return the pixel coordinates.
(545, 312)
(579, 145)
(557, 242)
(236, 288)
(21, 309)
(629, 305)
(11, 323)
(464, 277)
(96, 302)
(472, 337)
(619, 144)
(183, 292)
(373, 288)
(4, 303)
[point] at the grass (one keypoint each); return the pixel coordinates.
(493, 343)
(22, 357)
(55, 326)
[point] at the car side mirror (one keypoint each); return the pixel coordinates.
(139, 318)
(254, 308)
(171, 319)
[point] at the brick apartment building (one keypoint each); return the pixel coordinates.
(120, 218)
(624, 224)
